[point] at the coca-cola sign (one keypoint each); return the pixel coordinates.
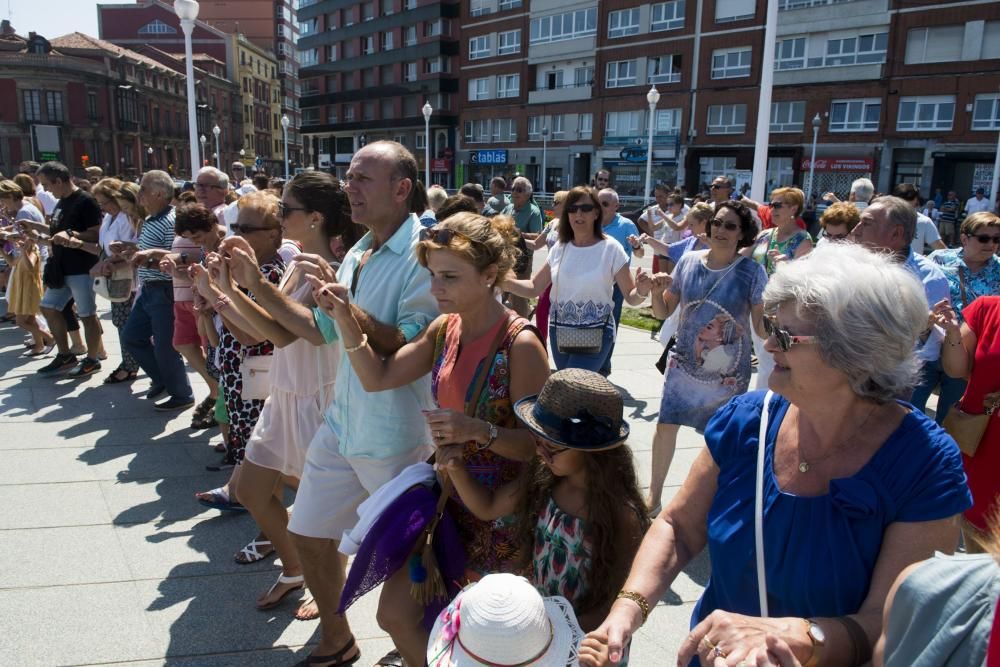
(860, 165)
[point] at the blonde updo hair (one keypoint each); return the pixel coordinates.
(478, 240)
(107, 188)
(265, 203)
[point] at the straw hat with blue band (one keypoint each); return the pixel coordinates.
(577, 409)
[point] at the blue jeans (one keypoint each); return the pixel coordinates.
(619, 300)
(590, 362)
(152, 317)
(951, 389)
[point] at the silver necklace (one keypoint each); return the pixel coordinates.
(804, 465)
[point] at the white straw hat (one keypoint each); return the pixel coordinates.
(501, 620)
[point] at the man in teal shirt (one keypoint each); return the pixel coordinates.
(528, 218)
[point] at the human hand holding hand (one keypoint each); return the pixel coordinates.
(634, 241)
(594, 650)
(616, 631)
(643, 282)
(314, 265)
(943, 315)
(725, 639)
(451, 427)
(331, 297)
(448, 458)
(63, 239)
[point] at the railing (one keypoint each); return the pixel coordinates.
(802, 4)
(638, 139)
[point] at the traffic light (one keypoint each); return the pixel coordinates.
(85, 161)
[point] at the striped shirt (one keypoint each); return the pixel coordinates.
(157, 233)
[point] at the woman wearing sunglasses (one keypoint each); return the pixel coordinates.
(467, 255)
(718, 295)
(855, 485)
(973, 270)
(582, 267)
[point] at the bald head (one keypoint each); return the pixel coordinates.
(609, 205)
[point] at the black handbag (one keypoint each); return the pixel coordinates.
(661, 363)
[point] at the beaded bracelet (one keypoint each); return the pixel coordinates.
(638, 599)
(355, 348)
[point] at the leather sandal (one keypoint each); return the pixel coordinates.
(295, 583)
(334, 659)
(250, 553)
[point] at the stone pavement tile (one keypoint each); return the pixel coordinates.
(683, 458)
(656, 644)
(161, 500)
(280, 656)
(98, 431)
(51, 505)
(645, 384)
(70, 625)
(62, 556)
(66, 464)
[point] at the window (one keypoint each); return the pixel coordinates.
(621, 123)
(157, 27)
(790, 53)
(509, 4)
(788, 116)
(856, 50)
(557, 126)
(620, 73)
(387, 75)
(480, 47)
(667, 16)
(504, 129)
(92, 106)
(535, 125)
(986, 112)
(553, 80)
(623, 23)
(480, 8)
(727, 119)
(667, 121)
(436, 65)
(571, 25)
(409, 71)
(926, 113)
(509, 42)
(479, 89)
(387, 8)
(583, 76)
(727, 11)
(368, 45)
(409, 4)
(663, 69)
(368, 110)
(348, 113)
(855, 115)
(508, 85)
(32, 105)
(731, 63)
(387, 41)
(368, 11)
(939, 44)
(434, 28)
(476, 131)
(310, 57)
(410, 36)
(585, 125)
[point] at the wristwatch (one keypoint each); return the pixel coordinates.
(818, 639)
(493, 433)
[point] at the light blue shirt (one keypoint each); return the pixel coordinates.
(936, 288)
(394, 289)
(620, 228)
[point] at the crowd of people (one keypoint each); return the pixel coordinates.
(369, 344)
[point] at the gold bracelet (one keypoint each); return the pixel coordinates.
(364, 341)
(638, 599)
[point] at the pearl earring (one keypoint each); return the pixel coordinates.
(312, 226)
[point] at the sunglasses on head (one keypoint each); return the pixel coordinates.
(784, 339)
(986, 238)
(442, 236)
(584, 208)
(284, 210)
(731, 226)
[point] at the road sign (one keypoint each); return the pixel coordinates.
(633, 154)
(259, 164)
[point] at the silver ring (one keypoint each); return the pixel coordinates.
(718, 652)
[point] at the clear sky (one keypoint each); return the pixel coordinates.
(52, 18)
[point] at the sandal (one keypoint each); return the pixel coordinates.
(335, 659)
(250, 553)
(39, 353)
(219, 499)
(311, 614)
(204, 414)
(121, 375)
(296, 583)
(391, 659)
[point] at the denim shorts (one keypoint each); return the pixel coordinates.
(79, 288)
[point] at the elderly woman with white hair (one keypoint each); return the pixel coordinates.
(808, 532)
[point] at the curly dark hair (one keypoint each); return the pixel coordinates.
(611, 484)
(747, 225)
(192, 218)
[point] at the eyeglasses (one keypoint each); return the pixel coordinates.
(777, 204)
(206, 186)
(585, 208)
(284, 210)
(731, 226)
(548, 452)
(246, 229)
(602, 179)
(519, 189)
(784, 339)
(607, 204)
(986, 238)
(720, 186)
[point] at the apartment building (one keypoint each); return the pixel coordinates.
(256, 73)
(368, 69)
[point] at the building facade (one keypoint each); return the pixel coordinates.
(368, 69)
(255, 71)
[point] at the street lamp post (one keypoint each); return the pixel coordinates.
(201, 140)
(812, 161)
(284, 128)
(428, 110)
(187, 12)
(652, 98)
(217, 131)
(149, 152)
(545, 156)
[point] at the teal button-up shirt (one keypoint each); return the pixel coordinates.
(393, 288)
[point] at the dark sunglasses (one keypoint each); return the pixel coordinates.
(719, 186)
(784, 339)
(777, 204)
(246, 229)
(585, 208)
(986, 238)
(284, 210)
(606, 204)
(731, 226)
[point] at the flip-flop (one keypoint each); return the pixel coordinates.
(391, 659)
(309, 600)
(39, 353)
(251, 554)
(335, 659)
(219, 499)
(296, 583)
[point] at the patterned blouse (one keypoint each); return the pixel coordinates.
(490, 546)
(985, 282)
(768, 241)
(562, 554)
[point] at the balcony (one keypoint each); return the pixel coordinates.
(580, 47)
(661, 140)
(569, 93)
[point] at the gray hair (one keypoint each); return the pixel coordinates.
(611, 192)
(867, 310)
(521, 180)
(221, 177)
(159, 180)
(898, 211)
(863, 190)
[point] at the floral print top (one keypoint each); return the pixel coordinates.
(561, 561)
(985, 282)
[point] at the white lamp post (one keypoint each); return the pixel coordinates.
(545, 155)
(149, 152)
(217, 131)
(428, 110)
(284, 129)
(187, 12)
(812, 161)
(202, 141)
(652, 97)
